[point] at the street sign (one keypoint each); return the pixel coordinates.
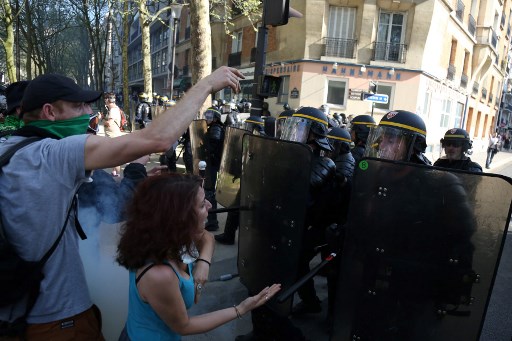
(355, 94)
(377, 98)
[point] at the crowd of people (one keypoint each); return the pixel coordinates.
(166, 243)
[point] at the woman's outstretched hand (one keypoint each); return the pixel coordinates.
(260, 299)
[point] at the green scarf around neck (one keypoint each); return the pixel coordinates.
(64, 128)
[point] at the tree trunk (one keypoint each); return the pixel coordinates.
(201, 40)
(146, 50)
(124, 51)
(8, 43)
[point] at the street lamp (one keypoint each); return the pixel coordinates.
(175, 16)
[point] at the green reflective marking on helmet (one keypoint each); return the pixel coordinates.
(363, 165)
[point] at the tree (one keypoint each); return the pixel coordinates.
(201, 41)
(7, 17)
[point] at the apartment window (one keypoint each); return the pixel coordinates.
(340, 40)
(459, 111)
(336, 92)
(385, 90)
(284, 90)
(236, 44)
(390, 36)
(445, 113)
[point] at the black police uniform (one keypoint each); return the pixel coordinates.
(214, 144)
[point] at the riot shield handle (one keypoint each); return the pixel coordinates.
(291, 290)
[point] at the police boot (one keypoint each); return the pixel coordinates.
(228, 237)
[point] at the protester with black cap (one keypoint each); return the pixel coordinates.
(46, 175)
(12, 121)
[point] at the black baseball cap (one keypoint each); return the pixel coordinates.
(14, 94)
(53, 87)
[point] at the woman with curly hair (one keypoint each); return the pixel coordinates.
(165, 222)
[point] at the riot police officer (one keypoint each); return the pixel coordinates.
(281, 120)
(359, 130)
(400, 135)
(214, 143)
(143, 110)
(307, 125)
(229, 109)
(345, 163)
(403, 238)
(457, 146)
(255, 125)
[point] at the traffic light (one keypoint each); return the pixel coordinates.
(372, 88)
(276, 12)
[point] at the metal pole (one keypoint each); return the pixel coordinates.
(171, 86)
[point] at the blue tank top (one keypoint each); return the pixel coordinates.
(143, 323)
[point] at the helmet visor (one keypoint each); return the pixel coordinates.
(388, 143)
(280, 126)
(296, 129)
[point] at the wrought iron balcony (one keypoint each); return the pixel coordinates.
(451, 72)
(487, 36)
(463, 81)
(472, 25)
(340, 47)
(235, 59)
(459, 13)
(389, 52)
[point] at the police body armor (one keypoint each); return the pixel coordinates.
(228, 183)
(273, 201)
(421, 248)
(197, 131)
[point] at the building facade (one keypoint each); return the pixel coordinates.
(445, 60)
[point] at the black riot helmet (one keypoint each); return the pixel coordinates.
(281, 119)
(212, 114)
(361, 125)
(457, 137)
(307, 125)
(255, 125)
(286, 106)
(339, 138)
(400, 135)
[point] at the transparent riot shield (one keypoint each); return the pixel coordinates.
(274, 190)
(197, 141)
(421, 251)
(228, 181)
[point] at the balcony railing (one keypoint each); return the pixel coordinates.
(235, 59)
(491, 97)
(459, 13)
(463, 81)
(475, 88)
(471, 25)
(340, 47)
(487, 36)
(451, 72)
(389, 52)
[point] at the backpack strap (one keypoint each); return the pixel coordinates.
(5, 157)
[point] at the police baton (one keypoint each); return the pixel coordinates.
(291, 290)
